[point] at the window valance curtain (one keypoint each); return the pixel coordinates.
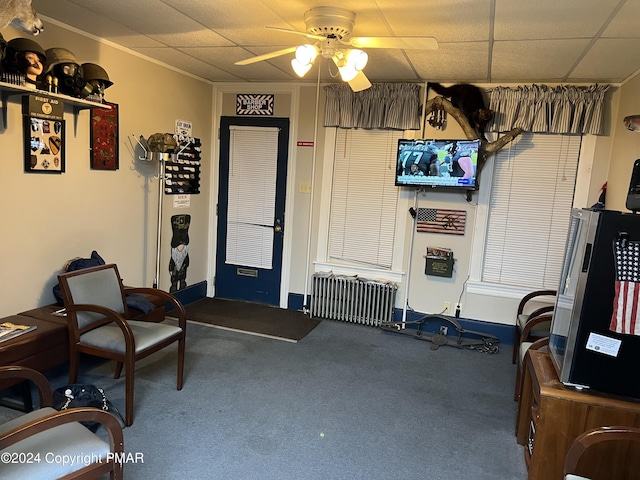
(394, 106)
(543, 109)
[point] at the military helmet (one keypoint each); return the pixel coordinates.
(57, 56)
(93, 72)
(22, 45)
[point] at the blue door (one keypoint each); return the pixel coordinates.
(251, 200)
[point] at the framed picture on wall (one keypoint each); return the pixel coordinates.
(44, 145)
(104, 138)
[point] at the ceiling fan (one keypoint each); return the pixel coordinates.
(331, 28)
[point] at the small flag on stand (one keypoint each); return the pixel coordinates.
(438, 220)
(625, 318)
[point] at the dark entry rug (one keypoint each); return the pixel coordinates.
(251, 318)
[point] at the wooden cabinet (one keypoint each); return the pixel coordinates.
(551, 416)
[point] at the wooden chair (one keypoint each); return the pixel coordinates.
(96, 307)
(541, 329)
(615, 463)
(45, 436)
(524, 348)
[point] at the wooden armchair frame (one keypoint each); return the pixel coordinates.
(595, 436)
(521, 360)
(103, 315)
(55, 419)
(518, 335)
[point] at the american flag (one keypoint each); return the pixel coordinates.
(438, 220)
(625, 318)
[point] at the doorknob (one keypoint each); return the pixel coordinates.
(277, 228)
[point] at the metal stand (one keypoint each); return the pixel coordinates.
(161, 158)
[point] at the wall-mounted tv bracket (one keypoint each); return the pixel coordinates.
(430, 329)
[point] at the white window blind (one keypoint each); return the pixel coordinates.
(529, 211)
(253, 156)
(364, 197)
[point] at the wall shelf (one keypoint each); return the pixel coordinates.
(9, 89)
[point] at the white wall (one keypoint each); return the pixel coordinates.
(49, 219)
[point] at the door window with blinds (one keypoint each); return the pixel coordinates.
(253, 155)
(529, 210)
(364, 197)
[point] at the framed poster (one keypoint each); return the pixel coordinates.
(44, 145)
(104, 138)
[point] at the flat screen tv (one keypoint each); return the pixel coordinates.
(441, 164)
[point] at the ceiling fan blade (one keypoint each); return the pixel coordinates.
(405, 43)
(266, 56)
(360, 82)
(296, 32)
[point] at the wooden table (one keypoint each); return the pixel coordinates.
(551, 416)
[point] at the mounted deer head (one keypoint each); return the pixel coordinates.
(20, 14)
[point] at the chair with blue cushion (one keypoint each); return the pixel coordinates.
(39, 440)
(96, 308)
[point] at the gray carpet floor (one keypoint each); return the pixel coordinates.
(346, 402)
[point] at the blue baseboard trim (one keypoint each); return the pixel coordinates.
(192, 292)
(503, 332)
(295, 302)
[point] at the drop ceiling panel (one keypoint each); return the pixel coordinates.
(550, 19)
(97, 25)
(453, 62)
(560, 40)
(526, 60)
(186, 63)
(625, 24)
(597, 66)
(448, 21)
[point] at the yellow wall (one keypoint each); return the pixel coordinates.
(48, 219)
(625, 148)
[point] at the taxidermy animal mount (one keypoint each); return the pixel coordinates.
(469, 99)
(469, 125)
(20, 14)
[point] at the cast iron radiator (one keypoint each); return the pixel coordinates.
(352, 299)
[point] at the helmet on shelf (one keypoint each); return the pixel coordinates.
(14, 60)
(62, 64)
(94, 73)
(97, 80)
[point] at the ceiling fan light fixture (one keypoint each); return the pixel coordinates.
(300, 69)
(357, 59)
(306, 54)
(347, 73)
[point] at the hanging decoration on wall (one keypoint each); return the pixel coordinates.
(43, 134)
(438, 220)
(179, 251)
(249, 104)
(104, 138)
(632, 123)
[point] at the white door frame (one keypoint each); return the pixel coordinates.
(217, 111)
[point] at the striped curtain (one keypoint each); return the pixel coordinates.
(543, 109)
(392, 106)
